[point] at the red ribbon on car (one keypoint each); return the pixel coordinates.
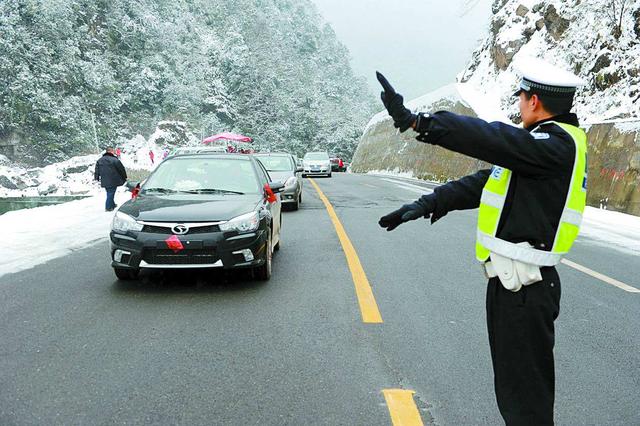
(271, 197)
(174, 243)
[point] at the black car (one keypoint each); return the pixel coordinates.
(284, 168)
(203, 210)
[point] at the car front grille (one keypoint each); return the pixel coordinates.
(183, 257)
(165, 230)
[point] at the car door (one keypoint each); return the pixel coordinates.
(274, 209)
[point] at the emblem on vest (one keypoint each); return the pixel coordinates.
(496, 172)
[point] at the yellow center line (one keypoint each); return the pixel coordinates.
(402, 407)
(368, 305)
(601, 277)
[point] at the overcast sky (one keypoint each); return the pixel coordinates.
(419, 45)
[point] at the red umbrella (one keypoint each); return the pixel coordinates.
(227, 136)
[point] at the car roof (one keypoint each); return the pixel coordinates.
(213, 154)
(269, 154)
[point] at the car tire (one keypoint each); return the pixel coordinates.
(263, 272)
(329, 175)
(296, 205)
(126, 274)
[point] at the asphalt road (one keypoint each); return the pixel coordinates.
(81, 347)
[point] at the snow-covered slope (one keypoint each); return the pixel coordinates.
(585, 36)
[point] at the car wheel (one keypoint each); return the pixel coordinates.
(263, 272)
(329, 175)
(126, 274)
(296, 205)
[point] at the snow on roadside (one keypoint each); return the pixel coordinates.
(34, 236)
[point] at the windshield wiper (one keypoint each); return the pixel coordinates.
(213, 191)
(161, 190)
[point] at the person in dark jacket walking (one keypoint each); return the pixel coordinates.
(530, 209)
(111, 174)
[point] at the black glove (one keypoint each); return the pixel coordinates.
(422, 207)
(403, 118)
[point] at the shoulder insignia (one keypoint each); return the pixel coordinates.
(540, 135)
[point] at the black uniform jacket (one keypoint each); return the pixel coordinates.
(110, 171)
(541, 172)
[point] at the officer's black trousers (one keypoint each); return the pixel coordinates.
(521, 336)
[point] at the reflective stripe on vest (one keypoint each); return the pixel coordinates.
(492, 202)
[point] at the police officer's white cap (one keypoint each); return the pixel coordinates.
(541, 77)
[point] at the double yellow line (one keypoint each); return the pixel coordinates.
(402, 407)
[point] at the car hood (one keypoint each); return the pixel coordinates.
(281, 176)
(189, 208)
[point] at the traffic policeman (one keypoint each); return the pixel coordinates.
(530, 209)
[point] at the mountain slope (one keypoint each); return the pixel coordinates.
(79, 74)
(595, 38)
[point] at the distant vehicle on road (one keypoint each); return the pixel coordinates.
(337, 165)
(203, 210)
(283, 167)
(316, 163)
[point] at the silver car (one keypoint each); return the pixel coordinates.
(283, 167)
(316, 163)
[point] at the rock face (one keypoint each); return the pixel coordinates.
(503, 54)
(76, 169)
(575, 35)
(556, 24)
(7, 183)
(522, 11)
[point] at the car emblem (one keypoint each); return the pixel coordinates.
(180, 229)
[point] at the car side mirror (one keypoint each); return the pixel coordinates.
(299, 169)
(276, 186)
(131, 185)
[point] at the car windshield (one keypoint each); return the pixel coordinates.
(203, 175)
(276, 163)
(316, 156)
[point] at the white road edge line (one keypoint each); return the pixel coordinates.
(601, 277)
(409, 187)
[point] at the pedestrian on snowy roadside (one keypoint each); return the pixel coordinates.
(111, 174)
(151, 155)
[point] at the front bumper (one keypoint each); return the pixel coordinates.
(318, 171)
(226, 250)
(290, 195)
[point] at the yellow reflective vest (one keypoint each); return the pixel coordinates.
(493, 199)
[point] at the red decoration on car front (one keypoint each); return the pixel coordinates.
(271, 197)
(174, 243)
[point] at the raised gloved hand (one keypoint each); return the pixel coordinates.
(403, 118)
(422, 207)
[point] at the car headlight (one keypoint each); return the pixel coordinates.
(306, 165)
(123, 223)
(290, 182)
(244, 223)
